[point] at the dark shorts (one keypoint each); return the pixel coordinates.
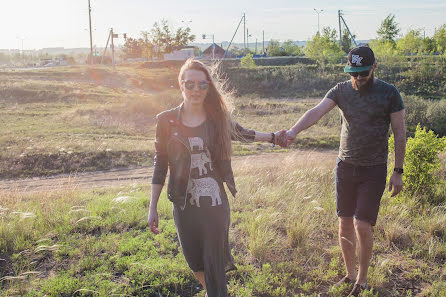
(359, 190)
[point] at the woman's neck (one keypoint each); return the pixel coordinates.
(193, 115)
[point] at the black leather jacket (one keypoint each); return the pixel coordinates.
(172, 150)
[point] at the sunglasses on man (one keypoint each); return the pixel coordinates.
(362, 73)
(190, 84)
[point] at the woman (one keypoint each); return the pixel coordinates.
(193, 140)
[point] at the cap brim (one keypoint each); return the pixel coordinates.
(349, 68)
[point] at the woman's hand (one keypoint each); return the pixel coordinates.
(153, 221)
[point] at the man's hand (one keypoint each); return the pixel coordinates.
(152, 220)
(280, 138)
(396, 182)
(291, 135)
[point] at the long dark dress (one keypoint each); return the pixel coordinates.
(203, 224)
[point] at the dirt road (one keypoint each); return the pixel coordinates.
(117, 177)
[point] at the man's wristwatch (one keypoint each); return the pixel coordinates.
(398, 170)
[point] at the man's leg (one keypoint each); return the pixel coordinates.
(364, 234)
(345, 209)
(347, 241)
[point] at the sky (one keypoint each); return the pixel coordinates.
(64, 23)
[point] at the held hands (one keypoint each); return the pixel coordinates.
(280, 138)
(152, 220)
(284, 138)
(396, 182)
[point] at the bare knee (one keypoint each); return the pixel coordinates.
(362, 227)
(346, 225)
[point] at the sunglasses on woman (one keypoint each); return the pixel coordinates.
(190, 84)
(362, 73)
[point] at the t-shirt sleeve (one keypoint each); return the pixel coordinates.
(333, 94)
(396, 102)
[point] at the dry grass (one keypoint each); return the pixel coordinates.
(283, 236)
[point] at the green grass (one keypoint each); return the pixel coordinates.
(75, 119)
(283, 238)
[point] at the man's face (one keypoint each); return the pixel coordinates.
(361, 83)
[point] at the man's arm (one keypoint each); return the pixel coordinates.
(399, 132)
(311, 117)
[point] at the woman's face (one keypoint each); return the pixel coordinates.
(194, 87)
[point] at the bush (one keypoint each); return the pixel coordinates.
(422, 163)
(436, 116)
(416, 109)
(247, 61)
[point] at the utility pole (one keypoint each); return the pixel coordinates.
(113, 49)
(263, 33)
(318, 12)
(91, 36)
(244, 34)
(247, 38)
(340, 30)
(238, 26)
(256, 47)
(348, 30)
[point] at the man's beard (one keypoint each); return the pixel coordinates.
(365, 87)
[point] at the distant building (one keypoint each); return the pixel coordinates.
(181, 54)
(214, 51)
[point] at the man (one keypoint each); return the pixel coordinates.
(368, 105)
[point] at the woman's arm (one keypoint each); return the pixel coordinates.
(247, 135)
(159, 173)
(153, 219)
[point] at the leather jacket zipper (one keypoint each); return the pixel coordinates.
(190, 153)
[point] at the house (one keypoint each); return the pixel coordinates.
(214, 51)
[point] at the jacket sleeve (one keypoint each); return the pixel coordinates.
(161, 159)
(241, 134)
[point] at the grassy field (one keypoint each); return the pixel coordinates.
(75, 119)
(283, 237)
(95, 243)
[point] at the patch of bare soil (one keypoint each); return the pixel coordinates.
(118, 177)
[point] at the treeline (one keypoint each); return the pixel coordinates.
(156, 42)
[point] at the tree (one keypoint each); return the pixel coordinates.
(388, 30)
(411, 43)
(165, 41)
(132, 48)
(324, 48)
(273, 49)
(440, 39)
(146, 44)
(385, 52)
(292, 49)
(429, 45)
(247, 61)
(346, 41)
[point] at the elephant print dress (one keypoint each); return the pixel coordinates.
(203, 224)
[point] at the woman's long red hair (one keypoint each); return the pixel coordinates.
(216, 109)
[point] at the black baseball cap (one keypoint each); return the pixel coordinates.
(360, 58)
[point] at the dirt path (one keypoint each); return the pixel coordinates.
(111, 178)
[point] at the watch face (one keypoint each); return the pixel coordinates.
(398, 170)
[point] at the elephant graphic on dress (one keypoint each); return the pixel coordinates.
(206, 186)
(196, 141)
(199, 161)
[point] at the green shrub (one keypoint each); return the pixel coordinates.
(247, 61)
(416, 108)
(422, 162)
(436, 117)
